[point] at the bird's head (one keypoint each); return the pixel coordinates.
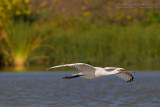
(119, 70)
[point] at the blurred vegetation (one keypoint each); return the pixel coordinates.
(17, 49)
(51, 32)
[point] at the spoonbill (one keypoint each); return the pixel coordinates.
(90, 72)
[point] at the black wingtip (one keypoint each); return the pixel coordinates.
(131, 79)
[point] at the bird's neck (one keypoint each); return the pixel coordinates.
(110, 73)
(102, 72)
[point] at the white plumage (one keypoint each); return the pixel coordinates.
(89, 72)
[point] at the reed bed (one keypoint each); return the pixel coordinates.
(108, 45)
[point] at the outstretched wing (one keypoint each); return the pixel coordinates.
(126, 76)
(80, 66)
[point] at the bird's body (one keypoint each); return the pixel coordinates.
(89, 72)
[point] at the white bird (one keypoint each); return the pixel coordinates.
(90, 72)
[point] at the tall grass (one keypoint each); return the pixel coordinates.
(95, 32)
(81, 41)
(21, 40)
(108, 45)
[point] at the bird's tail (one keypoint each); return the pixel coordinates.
(69, 77)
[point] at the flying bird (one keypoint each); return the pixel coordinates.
(90, 72)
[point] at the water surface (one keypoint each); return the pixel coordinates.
(48, 89)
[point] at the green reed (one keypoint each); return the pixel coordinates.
(21, 40)
(81, 41)
(108, 45)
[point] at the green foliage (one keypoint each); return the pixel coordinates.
(109, 45)
(22, 40)
(10, 9)
(20, 32)
(89, 31)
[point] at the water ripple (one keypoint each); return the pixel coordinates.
(50, 90)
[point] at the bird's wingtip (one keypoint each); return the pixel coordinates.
(48, 68)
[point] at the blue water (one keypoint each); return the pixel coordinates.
(48, 89)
